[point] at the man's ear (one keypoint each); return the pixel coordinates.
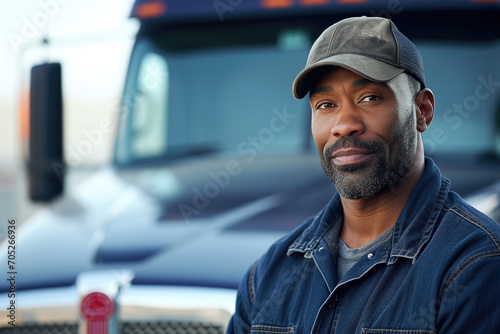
(424, 108)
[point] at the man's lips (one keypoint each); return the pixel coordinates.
(351, 155)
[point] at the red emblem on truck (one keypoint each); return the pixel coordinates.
(97, 309)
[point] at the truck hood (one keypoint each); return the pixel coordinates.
(198, 221)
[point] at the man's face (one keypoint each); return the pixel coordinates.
(365, 132)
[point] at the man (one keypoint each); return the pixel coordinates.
(395, 251)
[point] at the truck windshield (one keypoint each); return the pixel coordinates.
(195, 92)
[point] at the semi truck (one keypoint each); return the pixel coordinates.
(214, 161)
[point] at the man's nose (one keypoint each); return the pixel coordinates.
(347, 122)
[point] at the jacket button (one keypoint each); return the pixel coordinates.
(369, 256)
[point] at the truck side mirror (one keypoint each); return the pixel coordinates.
(45, 165)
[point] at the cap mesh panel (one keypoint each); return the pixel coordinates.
(410, 58)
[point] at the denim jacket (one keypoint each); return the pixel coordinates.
(439, 273)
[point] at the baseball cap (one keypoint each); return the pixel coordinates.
(372, 47)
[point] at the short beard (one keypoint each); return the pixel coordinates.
(361, 181)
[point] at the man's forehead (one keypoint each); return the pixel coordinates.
(356, 81)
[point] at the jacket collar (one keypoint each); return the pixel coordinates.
(413, 228)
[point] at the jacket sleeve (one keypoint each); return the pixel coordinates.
(470, 297)
(241, 320)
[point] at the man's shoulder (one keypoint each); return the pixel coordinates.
(467, 220)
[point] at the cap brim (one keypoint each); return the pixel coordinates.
(367, 67)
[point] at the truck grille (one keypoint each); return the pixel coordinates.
(153, 327)
(41, 329)
(170, 327)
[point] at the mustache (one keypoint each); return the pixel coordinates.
(355, 142)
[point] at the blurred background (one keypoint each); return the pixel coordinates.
(92, 39)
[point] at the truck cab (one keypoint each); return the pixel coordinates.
(214, 160)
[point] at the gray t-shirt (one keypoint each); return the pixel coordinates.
(347, 257)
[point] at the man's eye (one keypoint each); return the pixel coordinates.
(325, 105)
(371, 98)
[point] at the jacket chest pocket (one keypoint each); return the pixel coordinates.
(266, 329)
